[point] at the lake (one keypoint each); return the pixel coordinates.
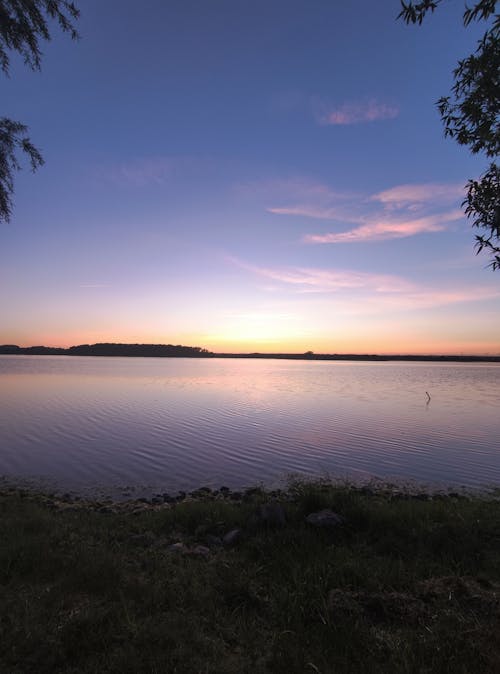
(180, 423)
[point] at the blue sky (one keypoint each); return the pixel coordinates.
(246, 176)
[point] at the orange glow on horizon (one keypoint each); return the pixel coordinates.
(344, 345)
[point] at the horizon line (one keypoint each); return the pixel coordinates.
(204, 353)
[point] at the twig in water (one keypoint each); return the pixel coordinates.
(428, 397)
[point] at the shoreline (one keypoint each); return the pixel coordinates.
(104, 501)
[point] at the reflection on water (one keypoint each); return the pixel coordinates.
(179, 423)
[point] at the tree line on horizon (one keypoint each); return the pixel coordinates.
(180, 351)
(109, 349)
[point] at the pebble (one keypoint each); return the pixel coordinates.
(177, 547)
(325, 518)
(232, 537)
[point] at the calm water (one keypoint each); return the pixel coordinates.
(182, 423)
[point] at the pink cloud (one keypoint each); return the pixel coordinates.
(398, 212)
(161, 170)
(358, 113)
(325, 213)
(387, 229)
(373, 292)
(404, 196)
(428, 298)
(311, 280)
(291, 188)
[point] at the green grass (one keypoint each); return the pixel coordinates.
(405, 585)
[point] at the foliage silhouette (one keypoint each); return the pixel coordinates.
(24, 24)
(470, 116)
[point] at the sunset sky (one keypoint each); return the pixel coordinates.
(246, 176)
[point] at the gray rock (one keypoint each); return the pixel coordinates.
(325, 518)
(272, 514)
(177, 547)
(232, 537)
(105, 510)
(422, 497)
(200, 551)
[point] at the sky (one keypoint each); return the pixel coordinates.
(246, 176)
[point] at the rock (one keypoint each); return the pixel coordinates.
(326, 519)
(213, 541)
(105, 510)
(250, 492)
(201, 493)
(232, 537)
(200, 551)
(142, 500)
(157, 500)
(137, 511)
(421, 497)
(272, 514)
(399, 496)
(236, 495)
(177, 547)
(181, 496)
(224, 490)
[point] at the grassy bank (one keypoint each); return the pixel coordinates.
(397, 584)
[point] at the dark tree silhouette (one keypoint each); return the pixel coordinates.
(471, 116)
(24, 24)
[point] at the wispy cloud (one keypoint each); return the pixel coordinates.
(398, 212)
(356, 113)
(361, 292)
(142, 172)
(93, 285)
(161, 170)
(313, 280)
(386, 229)
(299, 188)
(414, 196)
(317, 212)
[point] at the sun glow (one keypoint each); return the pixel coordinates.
(258, 330)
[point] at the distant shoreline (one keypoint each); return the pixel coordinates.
(179, 351)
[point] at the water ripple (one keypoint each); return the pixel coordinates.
(179, 422)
